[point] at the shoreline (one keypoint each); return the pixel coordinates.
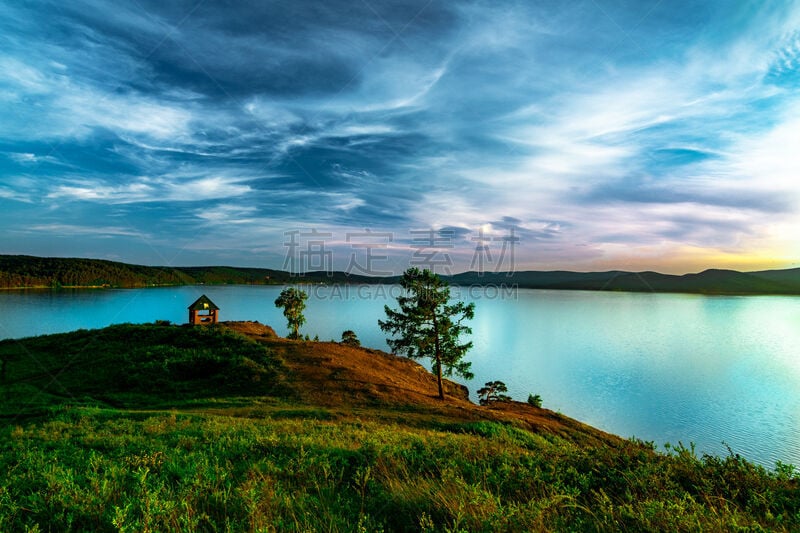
(490, 285)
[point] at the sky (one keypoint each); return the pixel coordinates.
(370, 136)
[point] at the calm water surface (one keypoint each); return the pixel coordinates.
(660, 367)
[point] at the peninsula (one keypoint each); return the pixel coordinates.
(230, 427)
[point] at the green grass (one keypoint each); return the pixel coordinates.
(246, 456)
(109, 470)
(135, 366)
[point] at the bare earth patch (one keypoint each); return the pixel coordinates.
(333, 375)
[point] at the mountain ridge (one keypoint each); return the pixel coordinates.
(24, 271)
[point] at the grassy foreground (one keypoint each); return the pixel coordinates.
(261, 435)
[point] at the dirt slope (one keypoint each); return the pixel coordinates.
(333, 375)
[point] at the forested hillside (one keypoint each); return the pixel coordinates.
(20, 271)
(29, 271)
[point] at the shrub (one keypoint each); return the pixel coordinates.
(349, 338)
(494, 391)
(535, 400)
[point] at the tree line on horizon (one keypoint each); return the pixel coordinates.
(21, 271)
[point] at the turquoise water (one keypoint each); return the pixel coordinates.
(660, 367)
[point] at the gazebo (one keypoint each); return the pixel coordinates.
(203, 311)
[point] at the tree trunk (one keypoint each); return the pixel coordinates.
(439, 377)
(438, 353)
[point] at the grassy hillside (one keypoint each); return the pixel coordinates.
(167, 428)
(133, 366)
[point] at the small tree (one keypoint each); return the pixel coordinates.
(293, 302)
(427, 325)
(493, 391)
(535, 400)
(350, 339)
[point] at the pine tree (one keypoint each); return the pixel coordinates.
(428, 325)
(493, 391)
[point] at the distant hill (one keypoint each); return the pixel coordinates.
(538, 279)
(22, 271)
(29, 271)
(711, 281)
(790, 276)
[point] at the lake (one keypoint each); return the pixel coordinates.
(660, 367)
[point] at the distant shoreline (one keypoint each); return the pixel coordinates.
(19, 272)
(43, 288)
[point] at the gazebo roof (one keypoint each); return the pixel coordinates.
(203, 303)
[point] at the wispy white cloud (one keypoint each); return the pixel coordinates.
(13, 194)
(145, 189)
(611, 134)
(73, 229)
(226, 214)
(88, 190)
(23, 158)
(65, 109)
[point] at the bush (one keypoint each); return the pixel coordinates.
(141, 364)
(535, 400)
(494, 391)
(349, 338)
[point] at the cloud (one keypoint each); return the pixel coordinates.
(71, 229)
(603, 133)
(11, 194)
(23, 158)
(225, 214)
(73, 110)
(169, 188)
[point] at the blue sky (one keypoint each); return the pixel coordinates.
(612, 134)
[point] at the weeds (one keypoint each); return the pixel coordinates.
(249, 463)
